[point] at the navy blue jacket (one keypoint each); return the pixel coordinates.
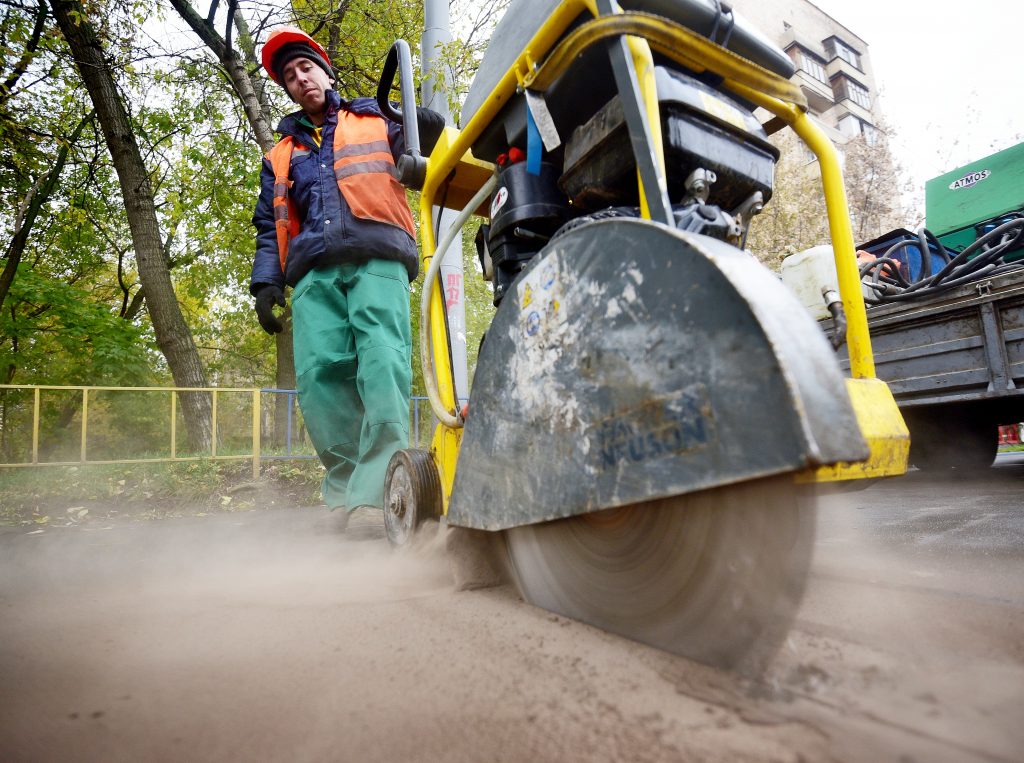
(329, 233)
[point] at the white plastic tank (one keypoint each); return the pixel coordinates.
(806, 273)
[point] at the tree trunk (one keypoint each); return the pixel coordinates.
(251, 93)
(172, 333)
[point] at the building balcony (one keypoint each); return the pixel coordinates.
(819, 95)
(846, 106)
(791, 37)
(838, 66)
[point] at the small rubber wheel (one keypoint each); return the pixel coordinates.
(412, 494)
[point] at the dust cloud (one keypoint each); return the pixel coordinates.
(269, 635)
(132, 629)
(285, 556)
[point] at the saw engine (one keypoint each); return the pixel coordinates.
(651, 407)
(721, 170)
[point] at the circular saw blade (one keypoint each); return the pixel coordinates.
(715, 576)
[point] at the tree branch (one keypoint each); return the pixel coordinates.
(202, 27)
(136, 305)
(37, 198)
(241, 80)
(22, 66)
(232, 7)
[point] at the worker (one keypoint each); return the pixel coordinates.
(333, 224)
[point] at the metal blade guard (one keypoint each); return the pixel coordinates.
(632, 362)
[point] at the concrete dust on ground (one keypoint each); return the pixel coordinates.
(266, 635)
(898, 649)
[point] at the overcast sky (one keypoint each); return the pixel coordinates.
(951, 75)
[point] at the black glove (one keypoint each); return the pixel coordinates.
(266, 298)
(431, 125)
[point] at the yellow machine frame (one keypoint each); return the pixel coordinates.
(540, 64)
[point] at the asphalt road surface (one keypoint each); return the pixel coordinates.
(267, 636)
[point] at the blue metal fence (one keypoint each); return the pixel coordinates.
(290, 427)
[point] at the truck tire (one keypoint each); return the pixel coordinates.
(945, 442)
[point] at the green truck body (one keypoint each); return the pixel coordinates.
(987, 189)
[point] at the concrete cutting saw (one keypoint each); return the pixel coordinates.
(651, 410)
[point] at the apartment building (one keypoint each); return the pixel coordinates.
(833, 65)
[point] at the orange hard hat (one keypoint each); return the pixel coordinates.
(288, 35)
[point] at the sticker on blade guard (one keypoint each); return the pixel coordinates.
(540, 300)
(659, 428)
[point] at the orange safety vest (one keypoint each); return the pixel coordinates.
(364, 169)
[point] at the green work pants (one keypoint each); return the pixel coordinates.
(353, 345)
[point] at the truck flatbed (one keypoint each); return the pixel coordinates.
(955, 364)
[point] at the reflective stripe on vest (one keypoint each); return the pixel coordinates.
(365, 171)
(286, 218)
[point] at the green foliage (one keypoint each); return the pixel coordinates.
(206, 191)
(56, 331)
(74, 313)
(473, 22)
(358, 34)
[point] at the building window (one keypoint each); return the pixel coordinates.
(849, 125)
(811, 65)
(847, 88)
(836, 48)
(852, 126)
(859, 95)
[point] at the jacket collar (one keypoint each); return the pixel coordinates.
(290, 125)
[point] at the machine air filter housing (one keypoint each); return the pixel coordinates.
(701, 128)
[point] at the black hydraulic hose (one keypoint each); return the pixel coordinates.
(926, 257)
(939, 248)
(973, 270)
(975, 245)
(1005, 268)
(944, 286)
(892, 250)
(974, 275)
(878, 269)
(980, 259)
(885, 277)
